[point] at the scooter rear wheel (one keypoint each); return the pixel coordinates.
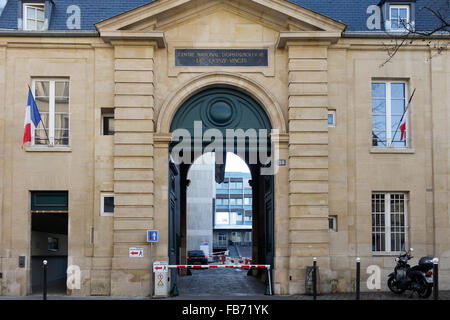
(392, 286)
(426, 290)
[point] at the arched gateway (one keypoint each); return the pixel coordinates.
(222, 119)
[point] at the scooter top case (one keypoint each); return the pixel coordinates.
(425, 264)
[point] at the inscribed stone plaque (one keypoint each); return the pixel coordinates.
(221, 58)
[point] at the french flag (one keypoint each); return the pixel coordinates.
(32, 118)
(403, 128)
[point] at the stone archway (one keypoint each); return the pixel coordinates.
(223, 79)
(280, 182)
(223, 109)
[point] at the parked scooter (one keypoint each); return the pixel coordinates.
(418, 278)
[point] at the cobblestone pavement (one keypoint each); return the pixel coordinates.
(220, 282)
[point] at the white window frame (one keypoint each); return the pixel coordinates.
(25, 17)
(401, 28)
(389, 132)
(102, 204)
(332, 113)
(51, 111)
(387, 221)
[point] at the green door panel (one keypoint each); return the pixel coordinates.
(49, 201)
(220, 108)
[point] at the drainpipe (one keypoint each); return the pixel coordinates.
(433, 186)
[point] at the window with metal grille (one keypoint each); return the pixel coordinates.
(389, 224)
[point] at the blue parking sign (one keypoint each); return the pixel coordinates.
(152, 235)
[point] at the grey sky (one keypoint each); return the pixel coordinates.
(235, 164)
(2, 5)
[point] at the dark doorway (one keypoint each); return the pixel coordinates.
(49, 240)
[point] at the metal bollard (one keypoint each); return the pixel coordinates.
(436, 278)
(44, 284)
(174, 291)
(314, 278)
(268, 282)
(358, 278)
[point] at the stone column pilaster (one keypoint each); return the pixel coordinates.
(133, 166)
(308, 161)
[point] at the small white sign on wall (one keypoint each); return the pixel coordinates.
(136, 253)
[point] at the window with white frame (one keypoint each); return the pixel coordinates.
(107, 204)
(33, 16)
(52, 100)
(389, 222)
(331, 118)
(388, 109)
(399, 16)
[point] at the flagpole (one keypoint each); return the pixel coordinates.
(404, 113)
(43, 124)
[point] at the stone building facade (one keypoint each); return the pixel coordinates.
(315, 66)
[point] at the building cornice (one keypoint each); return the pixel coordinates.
(302, 36)
(156, 36)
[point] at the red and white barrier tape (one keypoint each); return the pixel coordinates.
(239, 260)
(213, 266)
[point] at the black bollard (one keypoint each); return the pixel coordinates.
(358, 278)
(44, 284)
(436, 278)
(174, 290)
(314, 278)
